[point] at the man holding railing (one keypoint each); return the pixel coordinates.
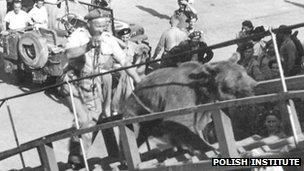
(92, 50)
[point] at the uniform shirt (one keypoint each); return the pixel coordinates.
(171, 38)
(130, 50)
(253, 69)
(17, 21)
(39, 15)
(97, 57)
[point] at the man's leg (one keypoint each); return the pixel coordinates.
(118, 93)
(84, 120)
(106, 81)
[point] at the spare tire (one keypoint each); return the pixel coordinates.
(33, 49)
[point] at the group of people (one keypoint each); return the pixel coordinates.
(94, 49)
(182, 36)
(17, 19)
(258, 54)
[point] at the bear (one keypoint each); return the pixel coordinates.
(187, 85)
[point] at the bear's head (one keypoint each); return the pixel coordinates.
(225, 80)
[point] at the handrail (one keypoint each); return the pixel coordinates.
(215, 46)
(204, 107)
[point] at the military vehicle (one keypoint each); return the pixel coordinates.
(37, 56)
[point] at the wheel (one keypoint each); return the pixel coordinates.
(65, 22)
(33, 49)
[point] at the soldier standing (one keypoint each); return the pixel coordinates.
(91, 50)
(169, 39)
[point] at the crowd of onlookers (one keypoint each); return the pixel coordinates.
(258, 54)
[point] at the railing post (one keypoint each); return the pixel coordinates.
(224, 133)
(47, 157)
(293, 119)
(130, 148)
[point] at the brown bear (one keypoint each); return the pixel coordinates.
(188, 85)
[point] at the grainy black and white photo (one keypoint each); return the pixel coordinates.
(180, 85)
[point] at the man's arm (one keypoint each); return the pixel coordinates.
(189, 6)
(120, 57)
(160, 45)
(78, 44)
(53, 2)
(76, 52)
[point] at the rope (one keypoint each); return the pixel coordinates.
(216, 46)
(77, 125)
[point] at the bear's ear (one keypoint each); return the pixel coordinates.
(213, 69)
(236, 56)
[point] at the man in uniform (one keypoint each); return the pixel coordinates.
(184, 6)
(91, 51)
(288, 50)
(17, 19)
(125, 84)
(250, 62)
(193, 43)
(39, 15)
(170, 38)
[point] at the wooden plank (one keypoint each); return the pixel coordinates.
(199, 166)
(47, 157)
(207, 164)
(210, 106)
(224, 134)
(130, 147)
(274, 85)
(98, 148)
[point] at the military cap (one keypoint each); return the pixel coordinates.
(96, 13)
(247, 23)
(284, 29)
(195, 34)
(124, 31)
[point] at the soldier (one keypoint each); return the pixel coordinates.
(91, 51)
(125, 35)
(288, 51)
(39, 15)
(184, 6)
(170, 38)
(250, 62)
(125, 84)
(17, 19)
(193, 43)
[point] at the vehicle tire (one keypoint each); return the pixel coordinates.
(33, 49)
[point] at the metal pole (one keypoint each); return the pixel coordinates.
(67, 7)
(15, 132)
(276, 49)
(2, 103)
(77, 126)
